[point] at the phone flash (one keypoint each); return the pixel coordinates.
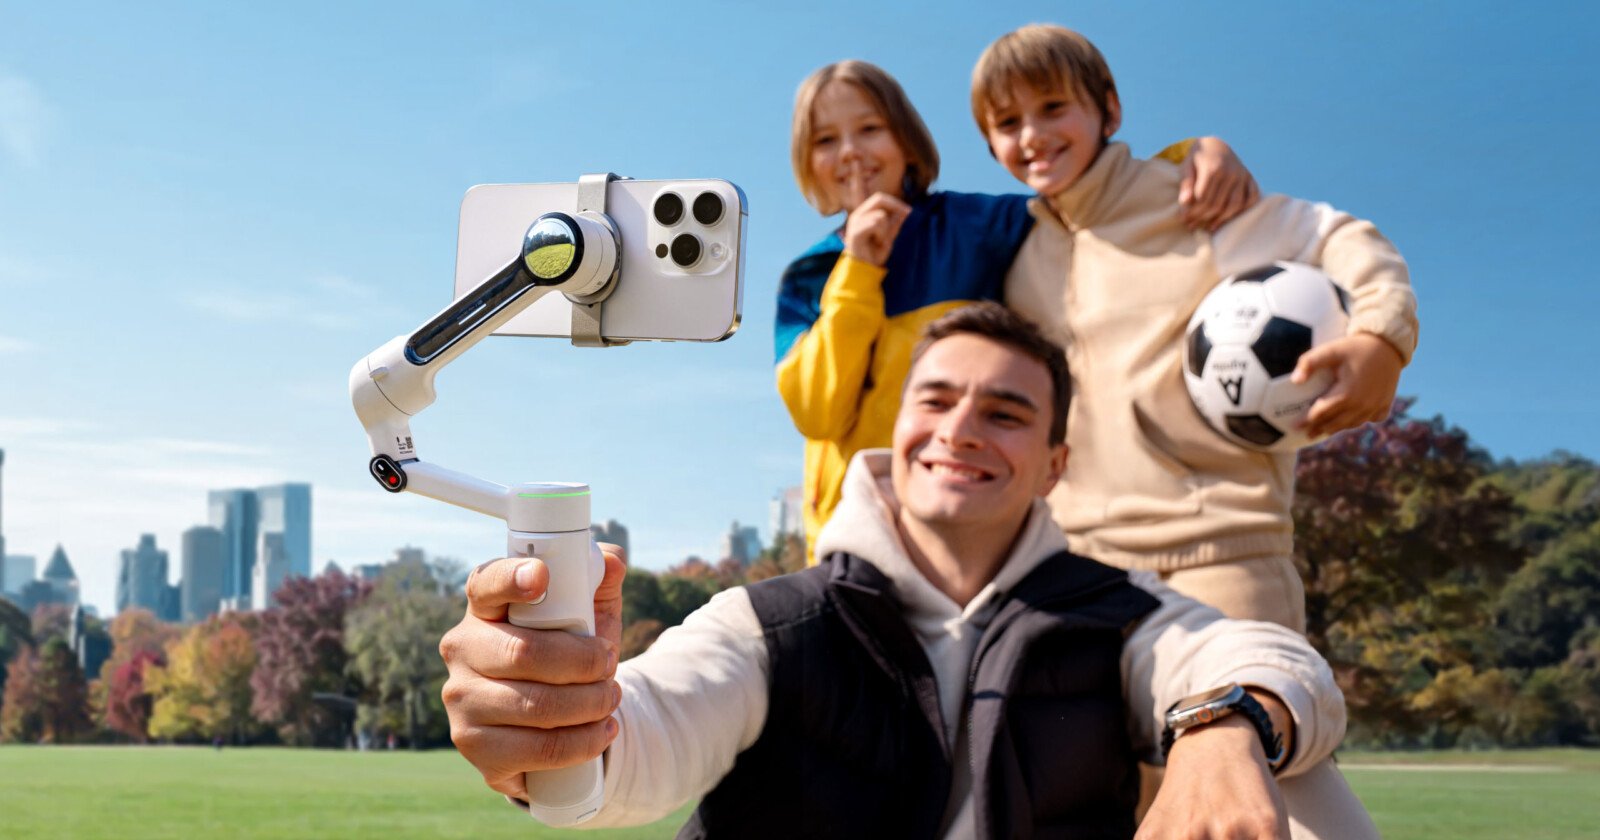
(718, 251)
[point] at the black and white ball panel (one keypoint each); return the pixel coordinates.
(1245, 340)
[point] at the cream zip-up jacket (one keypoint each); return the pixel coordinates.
(698, 696)
(1112, 274)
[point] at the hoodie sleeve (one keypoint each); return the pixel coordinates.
(1351, 250)
(823, 373)
(1186, 647)
(690, 705)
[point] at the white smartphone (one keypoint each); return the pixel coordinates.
(681, 262)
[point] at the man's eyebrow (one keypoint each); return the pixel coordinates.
(1010, 396)
(1006, 394)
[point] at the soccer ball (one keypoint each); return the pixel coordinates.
(1245, 339)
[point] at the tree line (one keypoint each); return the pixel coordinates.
(337, 659)
(1457, 598)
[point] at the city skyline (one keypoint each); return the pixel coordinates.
(199, 235)
(206, 553)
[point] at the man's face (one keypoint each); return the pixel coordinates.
(972, 442)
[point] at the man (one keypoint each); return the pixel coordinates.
(950, 670)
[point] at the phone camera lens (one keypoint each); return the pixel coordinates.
(708, 208)
(669, 209)
(686, 249)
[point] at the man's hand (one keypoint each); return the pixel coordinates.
(1366, 370)
(521, 699)
(870, 230)
(1217, 784)
(1215, 187)
(1217, 787)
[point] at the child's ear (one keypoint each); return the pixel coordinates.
(1113, 114)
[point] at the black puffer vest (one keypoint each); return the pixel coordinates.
(853, 744)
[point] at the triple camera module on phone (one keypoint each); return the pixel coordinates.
(686, 248)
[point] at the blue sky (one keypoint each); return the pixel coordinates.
(208, 212)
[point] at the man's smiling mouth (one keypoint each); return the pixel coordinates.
(958, 471)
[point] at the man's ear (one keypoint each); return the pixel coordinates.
(1113, 114)
(1058, 468)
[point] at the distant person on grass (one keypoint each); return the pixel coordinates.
(949, 670)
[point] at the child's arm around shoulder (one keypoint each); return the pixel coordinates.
(1383, 312)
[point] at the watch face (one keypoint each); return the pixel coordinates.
(1206, 697)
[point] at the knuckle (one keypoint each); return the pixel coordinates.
(454, 693)
(468, 739)
(450, 646)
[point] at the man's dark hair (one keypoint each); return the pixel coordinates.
(995, 322)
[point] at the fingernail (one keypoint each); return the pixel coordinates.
(611, 661)
(524, 576)
(616, 694)
(611, 727)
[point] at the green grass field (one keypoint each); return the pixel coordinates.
(137, 792)
(196, 792)
(1496, 795)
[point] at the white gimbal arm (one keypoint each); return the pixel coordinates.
(579, 256)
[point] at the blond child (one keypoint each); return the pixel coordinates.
(850, 308)
(1111, 272)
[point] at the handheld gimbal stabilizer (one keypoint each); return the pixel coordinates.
(578, 255)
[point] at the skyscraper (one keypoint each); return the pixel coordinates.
(266, 537)
(204, 558)
(272, 566)
(237, 514)
(20, 569)
(612, 532)
(786, 513)
(741, 543)
(60, 580)
(285, 509)
(142, 580)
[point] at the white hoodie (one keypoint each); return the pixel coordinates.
(698, 697)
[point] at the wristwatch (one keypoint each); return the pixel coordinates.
(1209, 706)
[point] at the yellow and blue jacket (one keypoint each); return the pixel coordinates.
(846, 328)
